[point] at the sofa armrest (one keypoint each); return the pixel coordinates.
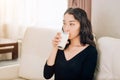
(9, 72)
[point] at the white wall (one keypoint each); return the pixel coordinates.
(106, 17)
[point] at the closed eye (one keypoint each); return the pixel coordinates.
(72, 24)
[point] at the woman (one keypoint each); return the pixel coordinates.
(78, 60)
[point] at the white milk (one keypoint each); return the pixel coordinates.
(63, 41)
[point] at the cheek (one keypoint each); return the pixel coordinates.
(73, 34)
(70, 35)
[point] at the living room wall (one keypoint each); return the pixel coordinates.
(106, 18)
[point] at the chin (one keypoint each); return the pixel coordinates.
(69, 38)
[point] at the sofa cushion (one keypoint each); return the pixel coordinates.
(19, 79)
(9, 72)
(109, 55)
(36, 46)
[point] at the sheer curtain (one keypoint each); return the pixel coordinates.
(16, 15)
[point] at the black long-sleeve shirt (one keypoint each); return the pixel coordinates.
(80, 67)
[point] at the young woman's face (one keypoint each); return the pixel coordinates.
(71, 25)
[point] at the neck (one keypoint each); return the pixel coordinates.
(75, 42)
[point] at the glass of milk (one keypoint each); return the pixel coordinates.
(63, 41)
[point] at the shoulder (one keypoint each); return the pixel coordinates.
(92, 50)
(91, 53)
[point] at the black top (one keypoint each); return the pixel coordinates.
(80, 67)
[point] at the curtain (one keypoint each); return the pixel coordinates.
(12, 18)
(84, 4)
(17, 15)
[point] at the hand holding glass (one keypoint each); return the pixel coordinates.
(63, 41)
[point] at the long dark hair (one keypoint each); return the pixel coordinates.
(86, 34)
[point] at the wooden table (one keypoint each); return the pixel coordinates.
(9, 45)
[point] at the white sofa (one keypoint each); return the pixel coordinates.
(109, 55)
(36, 46)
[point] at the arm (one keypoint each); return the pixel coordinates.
(48, 71)
(49, 66)
(89, 66)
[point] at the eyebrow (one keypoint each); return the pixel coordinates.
(70, 21)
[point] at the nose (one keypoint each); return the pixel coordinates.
(66, 29)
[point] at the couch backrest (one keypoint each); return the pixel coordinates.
(36, 46)
(109, 56)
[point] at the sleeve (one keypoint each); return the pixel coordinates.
(89, 66)
(48, 71)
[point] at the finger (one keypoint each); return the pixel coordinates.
(67, 42)
(56, 40)
(58, 35)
